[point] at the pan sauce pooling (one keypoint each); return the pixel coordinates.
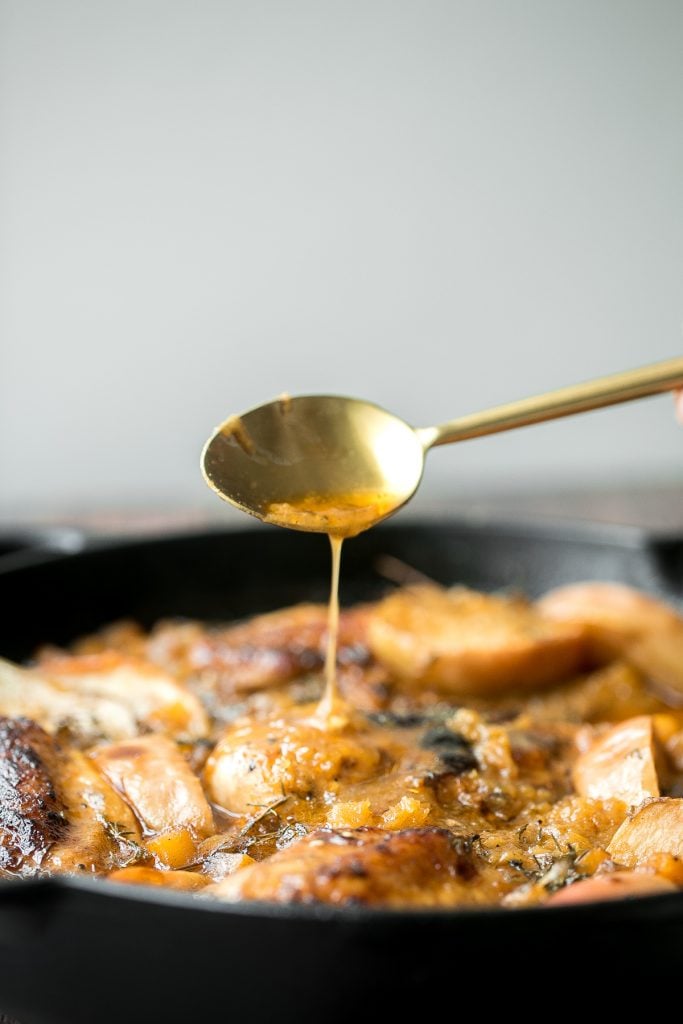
(494, 752)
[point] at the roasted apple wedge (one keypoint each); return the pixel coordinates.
(615, 886)
(461, 642)
(642, 630)
(656, 827)
(615, 609)
(621, 764)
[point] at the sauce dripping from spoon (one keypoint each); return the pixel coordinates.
(340, 516)
(331, 698)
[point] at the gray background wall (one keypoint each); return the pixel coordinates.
(434, 205)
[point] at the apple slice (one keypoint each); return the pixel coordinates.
(621, 764)
(615, 886)
(656, 827)
(462, 642)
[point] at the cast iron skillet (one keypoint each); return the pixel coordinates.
(75, 951)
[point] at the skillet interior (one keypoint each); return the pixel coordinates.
(222, 575)
(181, 958)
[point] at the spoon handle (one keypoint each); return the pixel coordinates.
(594, 394)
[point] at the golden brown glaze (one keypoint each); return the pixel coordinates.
(263, 653)
(486, 751)
(423, 867)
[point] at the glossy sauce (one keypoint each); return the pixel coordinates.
(331, 700)
(339, 516)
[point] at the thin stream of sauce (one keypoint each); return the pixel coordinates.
(340, 516)
(331, 697)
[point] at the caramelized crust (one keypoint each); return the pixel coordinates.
(57, 813)
(150, 697)
(100, 696)
(102, 832)
(421, 866)
(266, 651)
(31, 812)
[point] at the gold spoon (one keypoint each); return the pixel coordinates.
(338, 465)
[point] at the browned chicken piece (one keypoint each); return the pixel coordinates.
(123, 636)
(31, 812)
(417, 867)
(56, 812)
(103, 696)
(266, 651)
(102, 832)
(153, 699)
(157, 782)
(461, 642)
(29, 694)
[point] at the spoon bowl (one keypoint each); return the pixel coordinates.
(315, 462)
